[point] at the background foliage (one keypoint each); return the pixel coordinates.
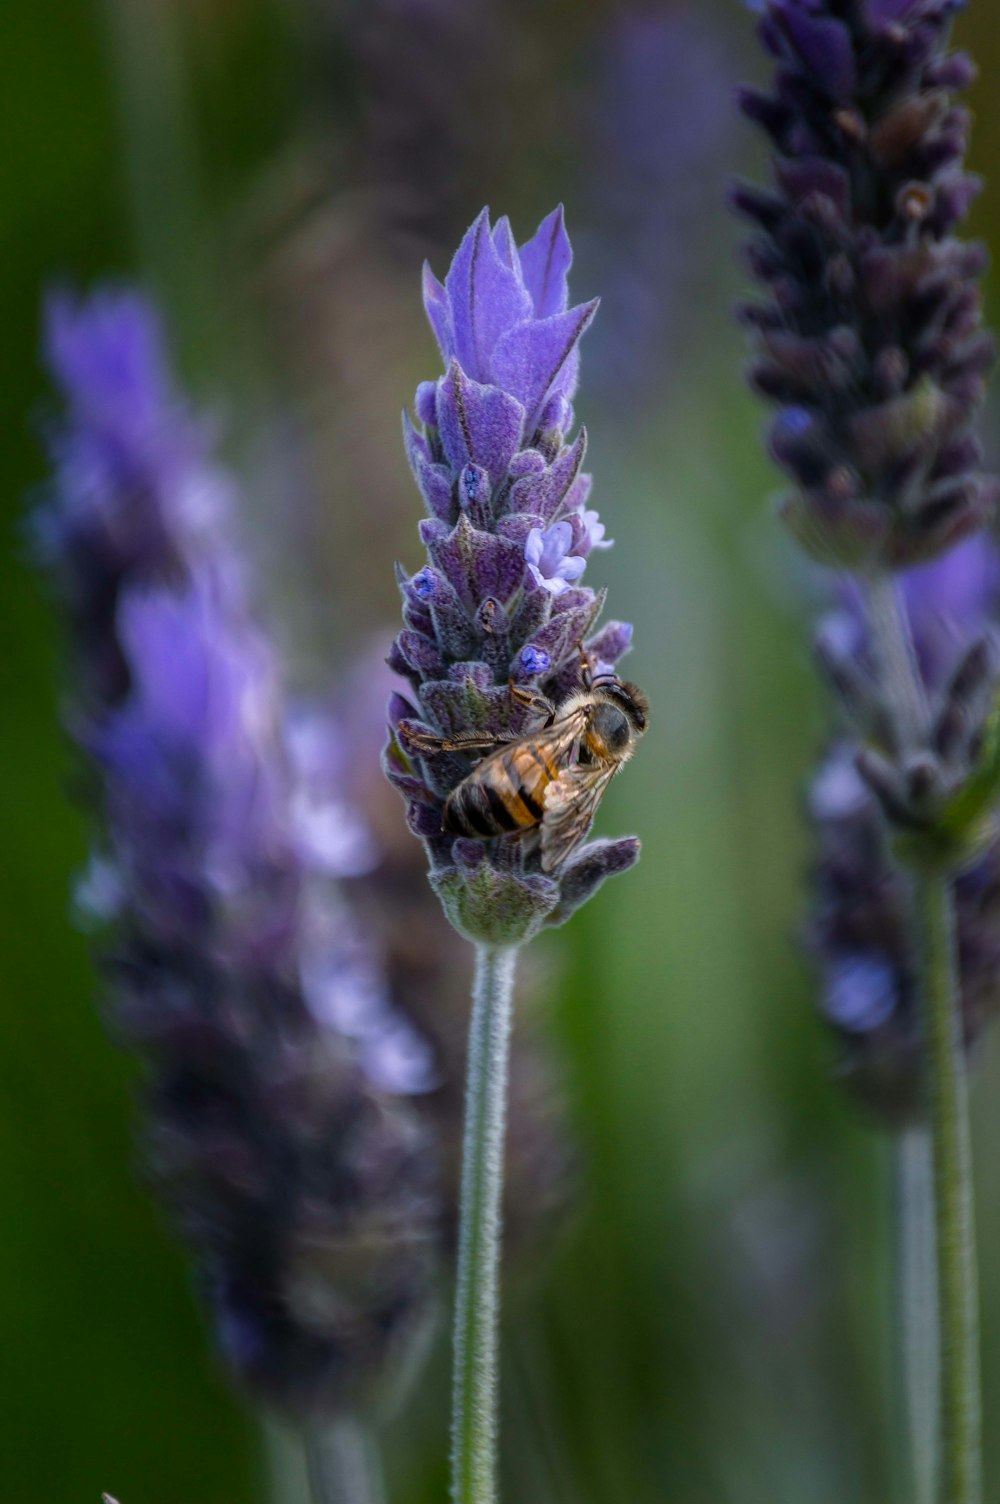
(714, 1322)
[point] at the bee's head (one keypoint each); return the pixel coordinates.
(629, 698)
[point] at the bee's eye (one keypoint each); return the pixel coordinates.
(613, 726)
(619, 738)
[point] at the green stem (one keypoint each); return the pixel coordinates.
(946, 1084)
(958, 1314)
(917, 1305)
(343, 1463)
(477, 1301)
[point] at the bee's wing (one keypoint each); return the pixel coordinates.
(571, 802)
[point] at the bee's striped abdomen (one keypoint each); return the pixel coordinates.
(505, 793)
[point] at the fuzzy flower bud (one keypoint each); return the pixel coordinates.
(870, 341)
(507, 536)
(305, 1189)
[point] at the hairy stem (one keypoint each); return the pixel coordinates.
(936, 957)
(477, 1302)
(343, 1463)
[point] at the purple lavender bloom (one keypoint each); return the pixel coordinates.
(306, 1190)
(869, 342)
(859, 930)
(501, 597)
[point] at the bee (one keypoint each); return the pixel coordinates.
(551, 779)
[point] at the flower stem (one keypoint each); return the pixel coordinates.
(946, 1085)
(958, 1312)
(917, 1306)
(477, 1301)
(343, 1463)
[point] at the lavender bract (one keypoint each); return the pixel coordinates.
(870, 342)
(308, 1196)
(859, 932)
(507, 538)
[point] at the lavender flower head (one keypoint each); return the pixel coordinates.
(308, 1196)
(859, 931)
(870, 339)
(508, 536)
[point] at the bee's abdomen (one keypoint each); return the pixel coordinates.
(504, 794)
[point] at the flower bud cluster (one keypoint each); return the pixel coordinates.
(508, 535)
(870, 340)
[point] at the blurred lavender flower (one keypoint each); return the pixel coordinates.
(859, 932)
(657, 132)
(136, 494)
(499, 598)
(309, 1198)
(870, 343)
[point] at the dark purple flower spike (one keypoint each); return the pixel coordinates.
(869, 341)
(508, 535)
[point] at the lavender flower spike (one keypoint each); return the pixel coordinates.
(307, 1197)
(870, 344)
(501, 599)
(869, 341)
(494, 624)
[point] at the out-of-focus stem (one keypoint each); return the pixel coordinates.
(933, 910)
(477, 1301)
(343, 1463)
(958, 1301)
(917, 1305)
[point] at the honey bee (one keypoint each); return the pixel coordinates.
(551, 779)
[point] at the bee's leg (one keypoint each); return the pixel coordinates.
(536, 703)
(586, 666)
(466, 741)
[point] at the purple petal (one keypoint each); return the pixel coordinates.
(438, 310)
(543, 493)
(503, 239)
(612, 642)
(860, 993)
(108, 354)
(530, 359)
(824, 45)
(584, 873)
(434, 480)
(478, 424)
(545, 262)
(487, 298)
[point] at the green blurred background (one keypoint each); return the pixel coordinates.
(715, 1322)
